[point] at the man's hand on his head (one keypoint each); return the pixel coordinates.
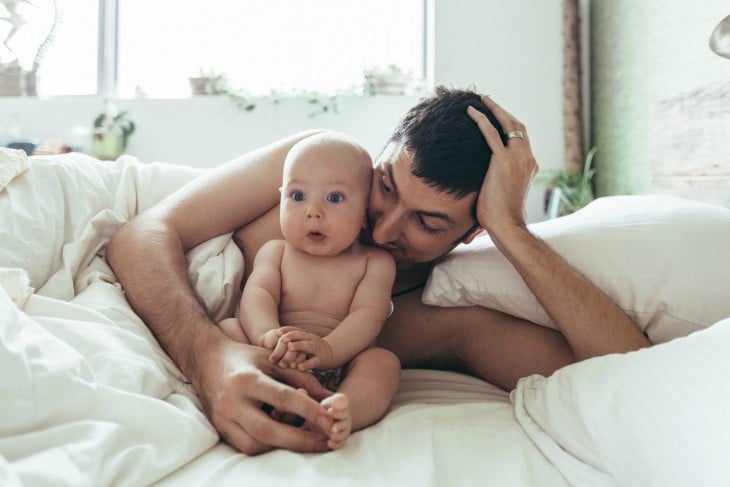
(511, 170)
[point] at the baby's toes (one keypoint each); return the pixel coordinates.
(339, 405)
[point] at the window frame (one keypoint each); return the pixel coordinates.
(108, 41)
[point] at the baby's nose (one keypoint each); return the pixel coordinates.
(314, 211)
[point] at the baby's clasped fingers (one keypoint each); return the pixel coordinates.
(280, 349)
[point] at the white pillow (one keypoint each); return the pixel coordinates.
(655, 417)
(664, 260)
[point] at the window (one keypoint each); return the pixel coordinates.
(61, 37)
(261, 46)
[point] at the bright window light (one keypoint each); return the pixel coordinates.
(66, 52)
(151, 47)
(264, 46)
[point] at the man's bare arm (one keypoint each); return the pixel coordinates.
(591, 323)
(147, 254)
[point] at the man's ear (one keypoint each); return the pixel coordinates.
(471, 236)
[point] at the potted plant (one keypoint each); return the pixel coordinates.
(205, 82)
(209, 82)
(112, 129)
(391, 80)
(570, 190)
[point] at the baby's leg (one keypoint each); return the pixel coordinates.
(231, 327)
(365, 394)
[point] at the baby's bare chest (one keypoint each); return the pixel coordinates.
(321, 285)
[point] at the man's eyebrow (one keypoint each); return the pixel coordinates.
(430, 214)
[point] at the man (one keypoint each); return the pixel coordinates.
(429, 194)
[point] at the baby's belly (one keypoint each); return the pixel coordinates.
(317, 325)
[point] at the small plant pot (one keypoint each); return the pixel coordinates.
(16, 82)
(204, 85)
(390, 84)
(10, 84)
(108, 146)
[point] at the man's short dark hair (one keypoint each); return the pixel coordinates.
(447, 149)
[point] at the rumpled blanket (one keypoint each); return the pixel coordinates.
(86, 387)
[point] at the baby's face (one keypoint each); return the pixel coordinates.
(324, 199)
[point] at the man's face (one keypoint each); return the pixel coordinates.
(412, 220)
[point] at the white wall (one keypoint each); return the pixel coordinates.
(511, 50)
(206, 131)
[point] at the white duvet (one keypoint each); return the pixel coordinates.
(89, 397)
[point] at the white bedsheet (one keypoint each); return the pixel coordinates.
(444, 429)
(89, 397)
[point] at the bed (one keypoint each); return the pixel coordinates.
(90, 398)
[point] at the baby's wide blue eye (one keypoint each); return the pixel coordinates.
(335, 197)
(297, 196)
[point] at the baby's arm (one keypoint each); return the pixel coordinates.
(368, 311)
(259, 310)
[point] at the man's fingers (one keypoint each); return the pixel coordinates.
(284, 396)
(486, 128)
(309, 364)
(253, 431)
(237, 437)
(262, 433)
(233, 402)
(508, 121)
(303, 380)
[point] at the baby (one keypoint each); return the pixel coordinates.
(319, 298)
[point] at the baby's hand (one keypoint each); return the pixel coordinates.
(269, 339)
(281, 354)
(317, 350)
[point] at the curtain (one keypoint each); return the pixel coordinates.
(572, 118)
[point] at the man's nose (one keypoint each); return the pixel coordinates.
(387, 226)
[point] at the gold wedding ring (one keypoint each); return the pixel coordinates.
(515, 134)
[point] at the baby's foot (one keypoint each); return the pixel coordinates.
(338, 405)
